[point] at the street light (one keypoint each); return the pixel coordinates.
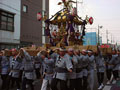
(99, 27)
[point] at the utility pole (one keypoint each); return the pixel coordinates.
(77, 12)
(107, 36)
(111, 38)
(77, 6)
(101, 37)
(99, 27)
(43, 23)
(98, 35)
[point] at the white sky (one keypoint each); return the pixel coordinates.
(104, 12)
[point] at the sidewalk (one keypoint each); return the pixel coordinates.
(113, 86)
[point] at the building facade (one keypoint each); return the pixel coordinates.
(19, 25)
(10, 17)
(31, 28)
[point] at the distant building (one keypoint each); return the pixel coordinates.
(10, 15)
(91, 39)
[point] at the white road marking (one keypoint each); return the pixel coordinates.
(107, 88)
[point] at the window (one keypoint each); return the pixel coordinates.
(25, 8)
(6, 21)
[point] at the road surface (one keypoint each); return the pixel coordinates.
(106, 87)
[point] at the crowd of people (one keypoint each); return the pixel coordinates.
(59, 69)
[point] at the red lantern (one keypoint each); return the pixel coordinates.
(91, 20)
(39, 16)
(64, 0)
(105, 46)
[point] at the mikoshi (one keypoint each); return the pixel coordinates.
(66, 27)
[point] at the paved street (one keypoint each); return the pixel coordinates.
(112, 86)
(38, 84)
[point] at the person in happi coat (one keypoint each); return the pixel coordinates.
(108, 66)
(71, 76)
(37, 65)
(79, 68)
(115, 61)
(47, 68)
(15, 65)
(91, 69)
(100, 66)
(62, 66)
(4, 63)
(28, 70)
(85, 63)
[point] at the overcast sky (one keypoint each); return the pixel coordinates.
(104, 12)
